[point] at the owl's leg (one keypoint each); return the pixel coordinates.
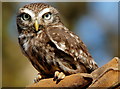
(58, 76)
(38, 78)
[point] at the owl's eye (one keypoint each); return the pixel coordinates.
(47, 16)
(26, 16)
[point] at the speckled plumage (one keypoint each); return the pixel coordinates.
(36, 7)
(53, 47)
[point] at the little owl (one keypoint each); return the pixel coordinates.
(51, 48)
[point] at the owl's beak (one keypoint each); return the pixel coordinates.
(36, 25)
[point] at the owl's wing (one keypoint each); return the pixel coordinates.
(70, 43)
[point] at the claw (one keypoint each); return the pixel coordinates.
(58, 76)
(38, 78)
(61, 76)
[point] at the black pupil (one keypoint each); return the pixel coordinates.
(26, 16)
(47, 15)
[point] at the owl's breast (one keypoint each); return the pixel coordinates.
(39, 52)
(24, 42)
(30, 40)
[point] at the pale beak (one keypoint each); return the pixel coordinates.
(36, 25)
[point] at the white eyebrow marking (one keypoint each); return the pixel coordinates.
(44, 11)
(30, 12)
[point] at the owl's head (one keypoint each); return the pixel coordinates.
(36, 16)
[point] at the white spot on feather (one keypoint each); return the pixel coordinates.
(58, 34)
(71, 45)
(26, 45)
(53, 33)
(85, 54)
(76, 53)
(21, 35)
(71, 34)
(62, 45)
(75, 59)
(77, 40)
(81, 51)
(91, 62)
(90, 66)
(72, 51)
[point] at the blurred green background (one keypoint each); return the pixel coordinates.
(95, 23)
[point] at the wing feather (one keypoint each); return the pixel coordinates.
(67, 41)
(71, 44)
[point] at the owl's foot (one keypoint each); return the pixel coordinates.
(58, 76)
(37, 78)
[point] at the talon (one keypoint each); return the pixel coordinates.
(35, 80)
(38, 78)
(58, 76)
(61, 76)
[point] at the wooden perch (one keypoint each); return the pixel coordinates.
(75, 80)
(105, 76)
